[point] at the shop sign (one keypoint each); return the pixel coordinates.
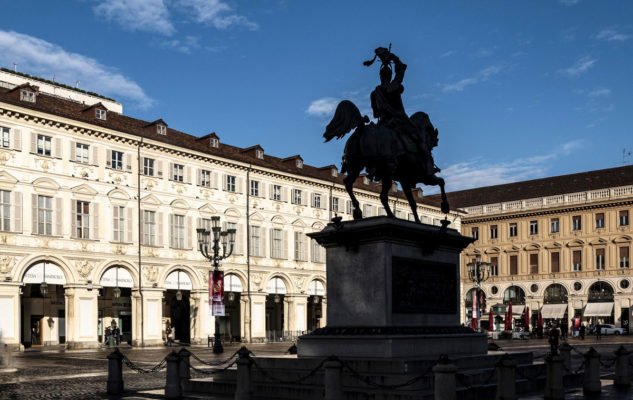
(216, 291)
(217, 309)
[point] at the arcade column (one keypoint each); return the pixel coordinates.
(148, 312)
(10, 320)
(81, 317)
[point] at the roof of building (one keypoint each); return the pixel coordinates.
(555, 185)
(122, 123)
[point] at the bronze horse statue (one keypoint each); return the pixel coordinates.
(397, 147)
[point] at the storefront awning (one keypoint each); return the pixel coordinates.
(517, 310)
(598, 310)
(555, 311)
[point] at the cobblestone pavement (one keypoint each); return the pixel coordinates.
(82, 374)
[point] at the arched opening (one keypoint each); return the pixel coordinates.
(555, 305)
(482, 320)
(276, 290)
(176, 308)
(43, 305)
(230, 324)
(514, 296)
(115, 306)
(316, 292)
(600, 302)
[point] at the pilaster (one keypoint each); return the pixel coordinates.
(81, 317)
(10, 320)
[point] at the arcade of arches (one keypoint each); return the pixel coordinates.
(46, 304)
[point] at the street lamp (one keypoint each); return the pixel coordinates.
(478, 271)
(44, 285)
(117, 290)
(205, 240)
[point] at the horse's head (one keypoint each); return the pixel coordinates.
(423, 122)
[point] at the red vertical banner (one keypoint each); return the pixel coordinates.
(217, 288)
(475, 309)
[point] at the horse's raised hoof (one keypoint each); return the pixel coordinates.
(358, 214)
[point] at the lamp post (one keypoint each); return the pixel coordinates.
(205, 241)
(478, 271)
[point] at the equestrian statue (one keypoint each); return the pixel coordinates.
(397, 147)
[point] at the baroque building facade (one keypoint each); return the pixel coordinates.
(98, 219)
(558, 245)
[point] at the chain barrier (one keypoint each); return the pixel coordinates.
(158, 367)
(369, 382)
(577, 371)
(608, 363)
(460, 379)
(214, 364)
(541, 371)
(213, 371)
(295, 381)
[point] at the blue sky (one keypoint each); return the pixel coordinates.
(518, 90)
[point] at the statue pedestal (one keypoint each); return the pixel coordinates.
(393, 292)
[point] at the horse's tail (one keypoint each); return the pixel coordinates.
(346, 117)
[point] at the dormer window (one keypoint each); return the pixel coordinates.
(161, 129)
(215, 143)
(259, 154)
(334, 172)
(27, 95)
(100, 114)
(299, 164)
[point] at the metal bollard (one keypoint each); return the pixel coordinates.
(183, 369)
(591, 380)
(565, 352)
(115, 372)
(173, 390)
(622, 367)
(554, 389)
(244, 362)
(506, 382)
(445, 384)
(333, 379)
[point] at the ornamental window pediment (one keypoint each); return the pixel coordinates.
(298, 223)
(318, 226)
(7, 180)
(45, 184)
(257, 217)
(494, 250)
(232, 212)
(576, 243)
(278, 219)
(622, 239)
(180, 204)
(531, 247)
(207, 209)
(512, 249)
(598, 242)
(118, 194)
(151, 200)
(554, 245)
(84, 189)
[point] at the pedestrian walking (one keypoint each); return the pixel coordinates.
(582, 332)
(554, 335)
(108, 335)
(598, 332)
(564, 330)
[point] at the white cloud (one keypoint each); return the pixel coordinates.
(603, 92)
(581, 66)
(570, 2)
(611, 35)
(323, 107)
(216, 13)
(45, 59)
(448, 53)
(481, 76)
(478, 173)
(185, 45)
(137, 15)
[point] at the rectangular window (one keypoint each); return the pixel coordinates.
(555, 225)
(513, 230)
(118, 223)
(348, 207)
(44, 215)
(100, 114)
(149, 228)
(161, 129)
(624, 257)
(577, 260)
(493, 231)
(27, 95)
(316, 201)
(233, 225)
(5, 210)
(230, 183)
(533, 263)
(116, 159)
(255, 188)
(81, 153)
(599, 220)
(317, 252)
(533, 227)
(277, 243)
(255, 241)
(178, 173)
(514, 265)
(44, 145)
(148, 166)
(335, 204)
(576, 223)
(83, 220)
(299, 246)
(494, 266)
(555, 262)
(296, 196)
(624, 217)
(600, 264)
(474, 232)
(178, 231)
(205, 178)
(4, 137)
(277, 192)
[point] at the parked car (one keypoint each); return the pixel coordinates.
(608, 329)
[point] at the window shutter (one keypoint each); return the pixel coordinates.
(34, 214)
(270, 191)
(238, 184)
(95, 155)
(109, 158)
(16, 136)
(223, 181)
(159, 168)
(73, 219)
(130, 225)
(128, 162)
(140, 217)
(170, 171)
(306, 241)
(94, 215)
(262, 192)
(142, 169)
(115, 225)
(57, 150)
(58, 217)
(214, 180)
(171, 230)
(187, 177)
(284, 194)
(16, 203)
(33, 142)
(188, 238)
(555, 262)
(271, 239)
(262, 242)
(240, 238)
(159, 228)
(312, 197)
(199, 177)
(284, 245)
